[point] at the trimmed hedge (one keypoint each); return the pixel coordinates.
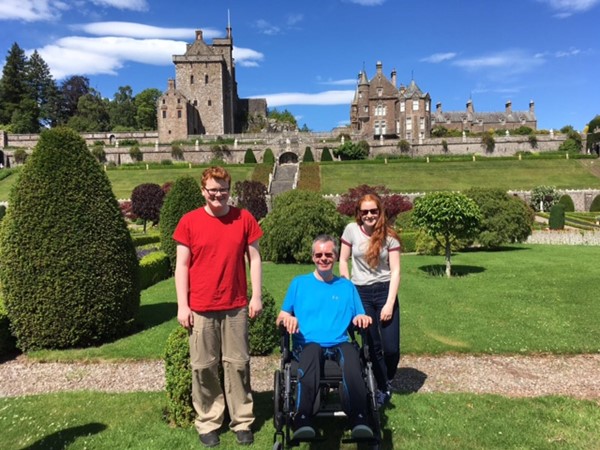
(144, 239)
(595, 206)
(184, 196)
(249, 157)
(263, 337)
(567, 203)
(408, 241)
(154, 267)
(7, 340)
(69, 270)
(557, 217)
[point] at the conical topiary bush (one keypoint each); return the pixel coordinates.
(68, 267)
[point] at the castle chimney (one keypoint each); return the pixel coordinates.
(379, 67)
(438, 107)
(470, 108)
(171, 84)
(393, 75)
(198, 35)
(531, 107)
(508, 107)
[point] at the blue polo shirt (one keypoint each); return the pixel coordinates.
(324, 309)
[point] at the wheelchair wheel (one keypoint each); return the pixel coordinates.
(277, 404)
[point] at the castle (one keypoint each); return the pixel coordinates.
(203, 99)
(381, 110)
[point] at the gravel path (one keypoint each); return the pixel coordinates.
(515, 376)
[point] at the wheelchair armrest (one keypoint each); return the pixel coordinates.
(284, 344)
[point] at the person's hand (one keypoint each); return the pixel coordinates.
(185, 317)
(290, 323)
(254, 307)
(362, 321)
(386, 312)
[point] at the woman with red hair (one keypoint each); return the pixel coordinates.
(375, 250)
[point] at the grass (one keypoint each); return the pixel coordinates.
(398, 175)
(92, 420)
(419, 176)
(124, 180)
(523, 299)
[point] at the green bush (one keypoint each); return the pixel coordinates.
(178, 379)
(326, 154)
(143, 239)
(268, 157)
(408, 241)
(154, 267)
(595, 206)
(99, 153)
(296, 219)
(488, 142)
(308, 156)
(249, 157)
(352, 151)
(557, 217)
(177, 152)
(185, 195)
(404, 146)
(570, 146)
(505, 219)
(135, 153)
(20, 155)
(263, 338)
(68, 268)
(567, 203)
(263, 335)
(7, 340)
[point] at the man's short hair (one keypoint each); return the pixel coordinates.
(216, 173)
(326, 238)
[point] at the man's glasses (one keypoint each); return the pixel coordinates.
(320, 255)
(216, 191)
(373, 212)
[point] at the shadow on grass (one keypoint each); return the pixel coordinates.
(152, 315)
(439, 270)
(63, 438)
(505, 248)
(408, 380)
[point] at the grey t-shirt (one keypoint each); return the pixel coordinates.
(362, 273)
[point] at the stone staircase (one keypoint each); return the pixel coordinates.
(284, 178)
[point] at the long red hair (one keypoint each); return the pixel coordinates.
(381, 230)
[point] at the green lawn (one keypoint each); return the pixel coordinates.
(124, 180)
(89, 420)
(524, 299)
(419, 176)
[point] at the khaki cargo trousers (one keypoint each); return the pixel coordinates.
(221, 336)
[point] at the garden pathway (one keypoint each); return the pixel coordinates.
(514, 376)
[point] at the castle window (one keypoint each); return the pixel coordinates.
(422, 123)
(164, 114)
(178, 101)
(402, 107)
(210, 103)
(397, 127)
(380, 110)
(415, 105)
(205, 79)
(195, 102)
(164, 101)
(426, 106)
(191, 79)
(409, 123)
(379, 92)
(367, 109)
(179, 114)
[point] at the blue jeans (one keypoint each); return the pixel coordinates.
(384, 337)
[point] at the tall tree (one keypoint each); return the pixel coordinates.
(122, 109)
(12, 86)
(70, 91)
(25, 118)
(146, 104)
(42, 89)
(92, 113)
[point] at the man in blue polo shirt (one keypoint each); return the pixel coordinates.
(317, 310)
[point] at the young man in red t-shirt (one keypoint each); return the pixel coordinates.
(210, 279)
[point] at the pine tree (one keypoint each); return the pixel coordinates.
(12, 88)
(42, 89)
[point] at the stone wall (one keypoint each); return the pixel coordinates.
(565, 237)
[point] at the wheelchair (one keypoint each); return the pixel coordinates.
(328, 402)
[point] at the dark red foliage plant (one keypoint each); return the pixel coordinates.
(394, 204)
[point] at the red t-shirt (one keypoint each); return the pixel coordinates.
(217, 270)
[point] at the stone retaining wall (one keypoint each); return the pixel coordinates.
(565, 237)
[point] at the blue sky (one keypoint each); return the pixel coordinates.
(304, 56)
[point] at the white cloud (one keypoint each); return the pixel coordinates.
(138, 30)
(134, 5)
(247, 57)
(266, 27)
(439, 57)
(293, 19)
(31, 10)
(566, 8)
(509, 62)
(345, 82)
(299, 98)
(368, 2)
(566, 53)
